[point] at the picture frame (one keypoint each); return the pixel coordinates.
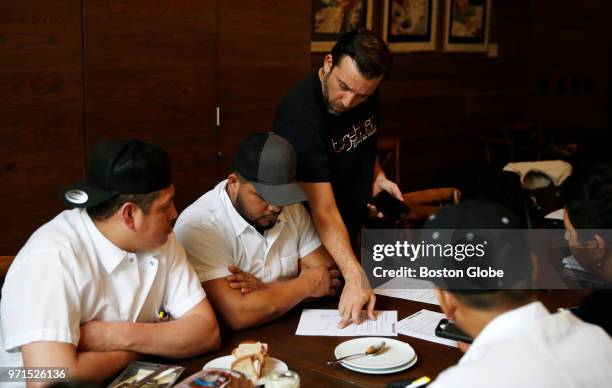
(467, 24)
(330, 19)
(410, 25)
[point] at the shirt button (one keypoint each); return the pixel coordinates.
(131, 260)
(152, 264)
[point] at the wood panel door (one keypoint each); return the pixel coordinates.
(263, 49)
(41, 113)
(149, 74)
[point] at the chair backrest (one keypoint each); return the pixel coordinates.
(389, 158)
(424, 203)
(5, 263)
(440, 196)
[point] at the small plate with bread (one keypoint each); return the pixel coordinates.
(251, 359)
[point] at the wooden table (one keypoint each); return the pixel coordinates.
(306, 355)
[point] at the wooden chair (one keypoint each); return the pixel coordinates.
(424, 203)
(5, 263)
(389, 158)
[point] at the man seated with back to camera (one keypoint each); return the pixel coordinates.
(86, 291)
(517, 342)
(587, 195)
(252, 242)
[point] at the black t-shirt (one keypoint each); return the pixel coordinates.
(336, 148)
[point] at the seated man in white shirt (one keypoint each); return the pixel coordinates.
(518, 343)
(587, 195)
(252, 242)
(86, 291)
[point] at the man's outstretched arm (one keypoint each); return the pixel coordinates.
(335, 238)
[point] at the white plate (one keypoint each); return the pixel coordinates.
(272, 365)
(382, 371)
(395, 354)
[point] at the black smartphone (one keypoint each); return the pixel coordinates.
(390, 206)
(449, 330)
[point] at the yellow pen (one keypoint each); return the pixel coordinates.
(163, 316)
(419, 382)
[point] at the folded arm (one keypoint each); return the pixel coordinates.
(83, 366)
(268, 301)
(193, 333)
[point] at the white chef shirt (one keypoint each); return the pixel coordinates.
(529, 347)
(216, 236)
(69, 273)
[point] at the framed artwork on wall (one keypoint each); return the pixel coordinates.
(466, 26)
(410, 25)
(330, 19)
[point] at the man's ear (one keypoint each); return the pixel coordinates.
(127, 215)
(448, 302)
(233, 184)
(327, 64)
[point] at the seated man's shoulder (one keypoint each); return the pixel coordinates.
(296, 212)
(62, 237)
(203, 210)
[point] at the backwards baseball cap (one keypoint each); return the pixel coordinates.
(120, 166)
(268, 161)
(497, 229)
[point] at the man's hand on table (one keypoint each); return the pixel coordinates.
(355, 295)
(463, 346)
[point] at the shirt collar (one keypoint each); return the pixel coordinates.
(108, 253)
(509, 322)
(238, 223)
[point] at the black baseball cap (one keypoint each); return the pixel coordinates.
(268, 161)
(480, 221)
(120, 166)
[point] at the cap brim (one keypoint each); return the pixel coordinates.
(83, 194)
(281, 195)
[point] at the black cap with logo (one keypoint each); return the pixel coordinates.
(268, 161)
(120, 166)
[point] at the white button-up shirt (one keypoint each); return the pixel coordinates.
(69, 273)
(216, 236)
(529, 347)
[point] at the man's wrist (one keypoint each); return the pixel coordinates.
(126, 333)
(304, 284)
(354, 273)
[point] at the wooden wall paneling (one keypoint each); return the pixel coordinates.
(149, 74)
(263, 49)
(569, 42)
(41, 112)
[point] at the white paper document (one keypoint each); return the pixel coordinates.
(570, 262)
(422, 325)
(325, 322)
(409, 289)
(555, 215)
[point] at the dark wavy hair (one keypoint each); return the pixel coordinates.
(369, 52)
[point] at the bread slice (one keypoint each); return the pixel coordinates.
(250, 359)
(250, 347)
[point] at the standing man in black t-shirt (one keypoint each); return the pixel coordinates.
(331, 119)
